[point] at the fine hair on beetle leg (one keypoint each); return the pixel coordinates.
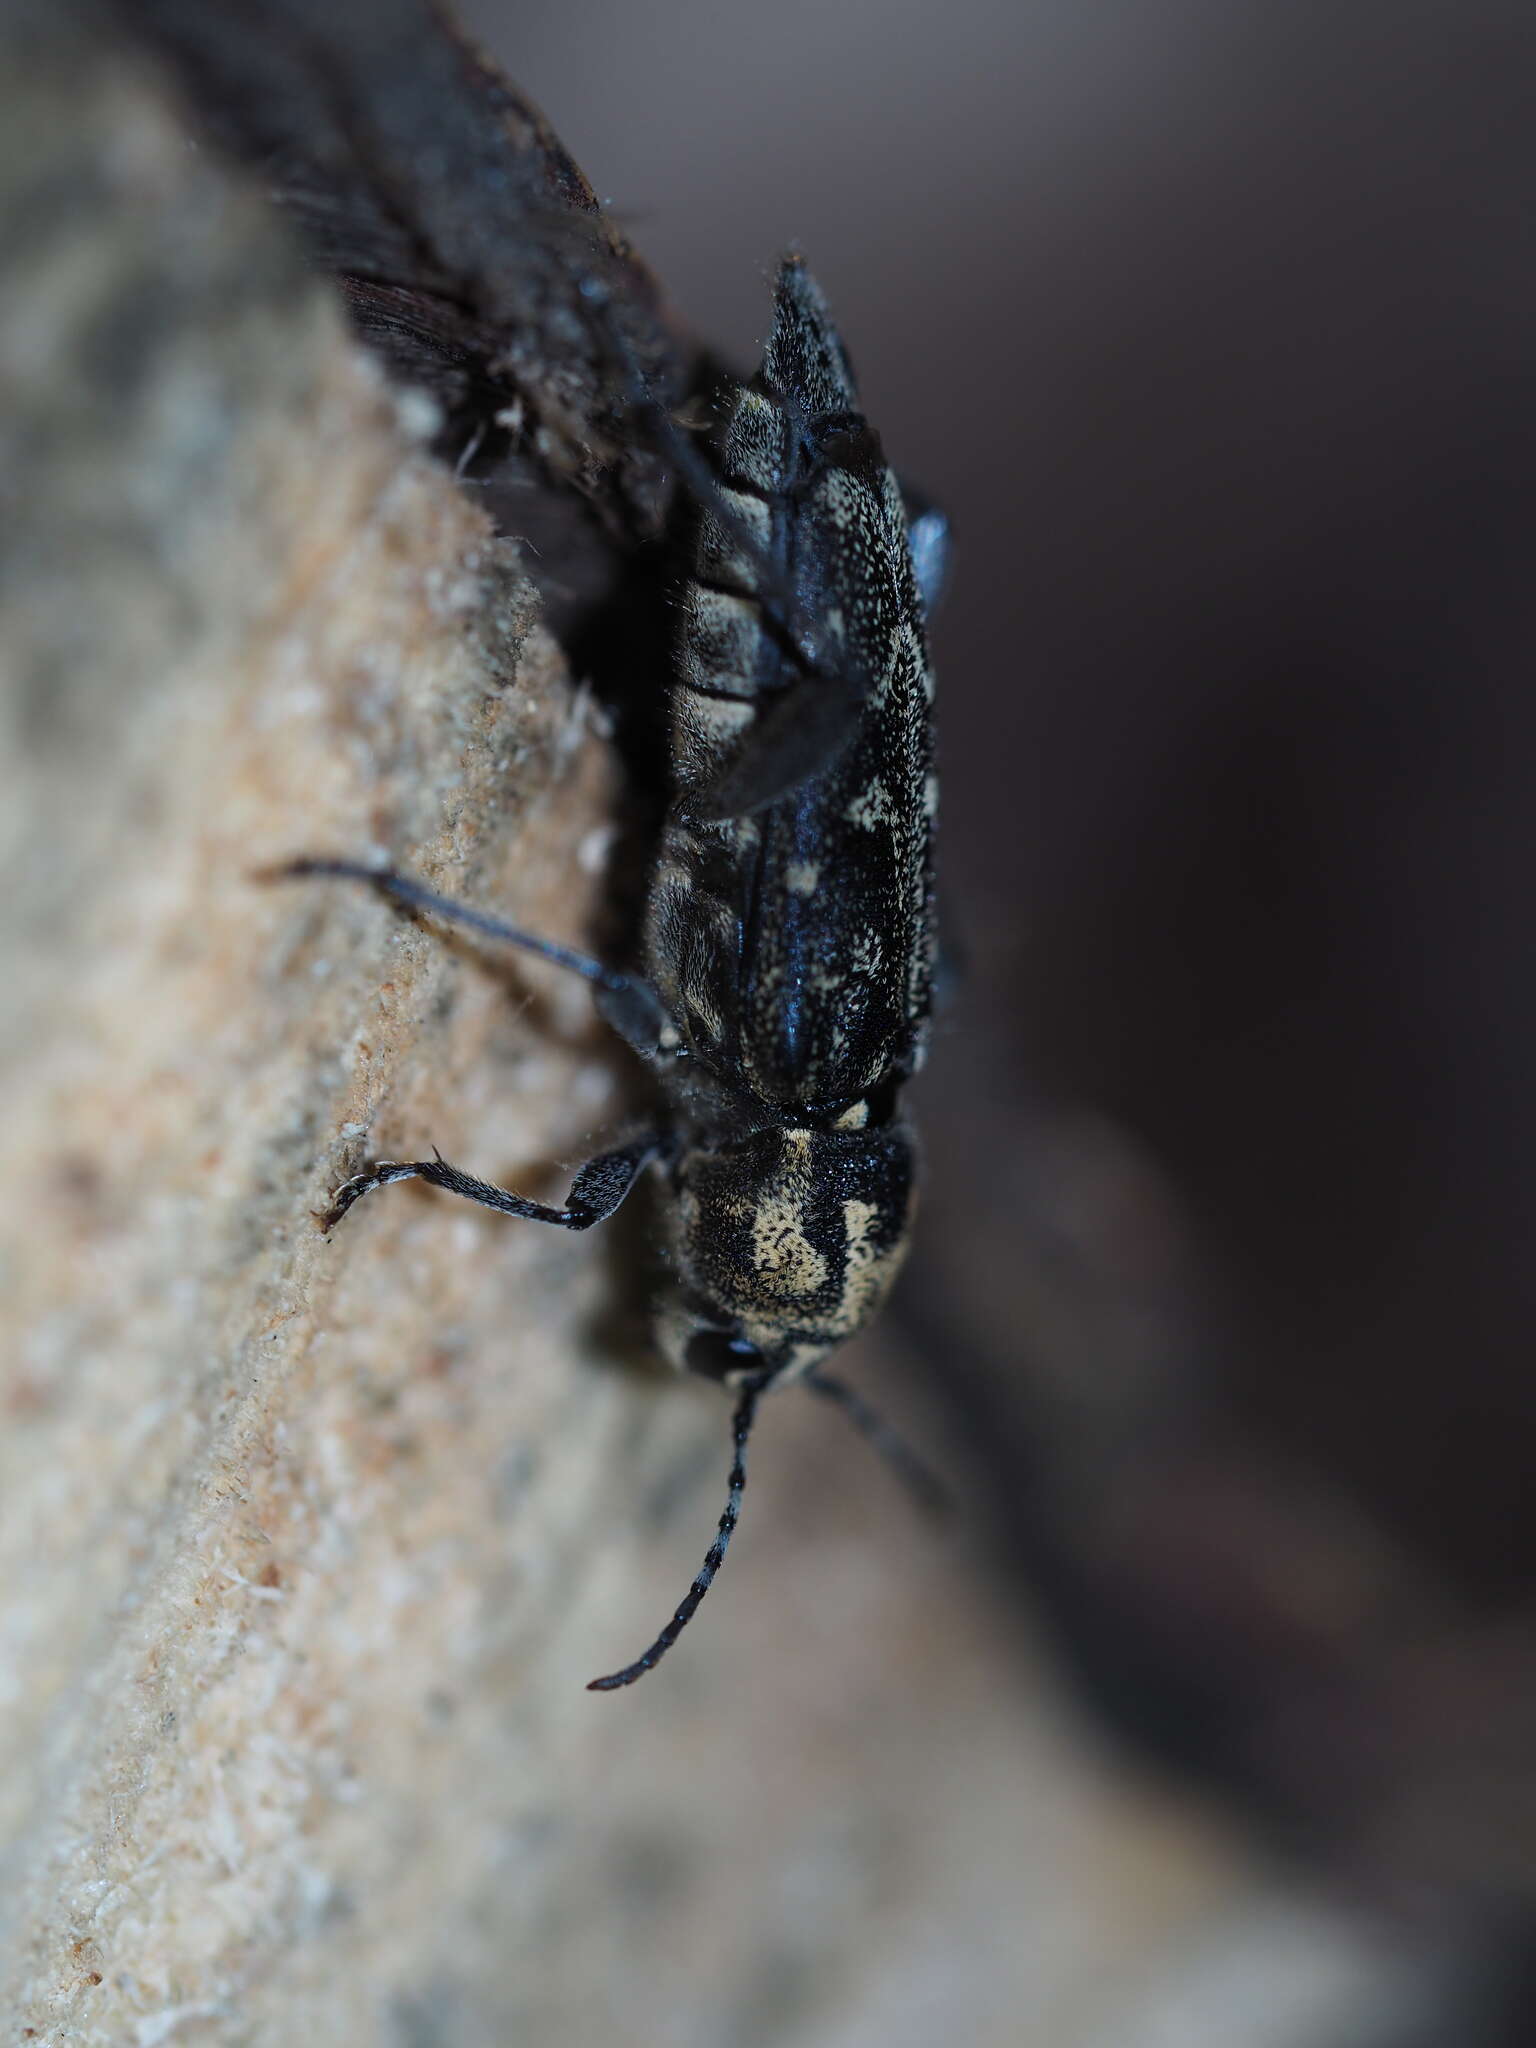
(741, 1429)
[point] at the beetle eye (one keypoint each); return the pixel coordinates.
(715, 1354)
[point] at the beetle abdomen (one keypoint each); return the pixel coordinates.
(792, 937)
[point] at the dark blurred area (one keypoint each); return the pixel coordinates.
(1214, 328)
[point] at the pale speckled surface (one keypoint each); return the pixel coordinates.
(307, 1548)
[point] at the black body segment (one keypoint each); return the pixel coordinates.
(791, 936)
(787, 1241)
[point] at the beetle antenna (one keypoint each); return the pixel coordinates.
(741, 1429)
(914, 1472)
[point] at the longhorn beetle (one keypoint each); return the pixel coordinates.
(789, 929)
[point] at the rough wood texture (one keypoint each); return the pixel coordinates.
(307, 1547)
(242, 618)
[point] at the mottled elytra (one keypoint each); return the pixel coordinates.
(788, 940)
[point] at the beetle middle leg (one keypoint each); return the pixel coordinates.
(625, 1002)
(630, 1005)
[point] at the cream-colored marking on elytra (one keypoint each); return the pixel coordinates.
(866, 954)
(803, 877)
(867, 1271)
(783, 1257)
(931, 796)
(906, 661)
(844, 500)
(909, 660)
(871, 807)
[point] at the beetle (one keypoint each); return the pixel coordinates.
(788, 945)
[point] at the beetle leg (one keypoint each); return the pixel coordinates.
(629, 1005)
(596, 1192)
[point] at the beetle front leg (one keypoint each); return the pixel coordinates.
(596, 1192)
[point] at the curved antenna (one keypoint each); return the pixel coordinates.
(914, 1472)
(741, 1429)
